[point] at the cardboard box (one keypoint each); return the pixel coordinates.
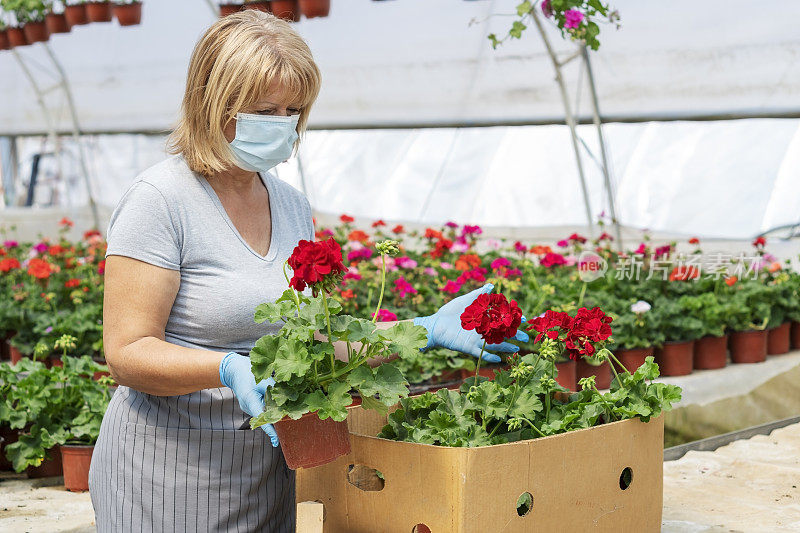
(575, 480)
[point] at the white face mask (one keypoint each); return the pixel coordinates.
(263, 141)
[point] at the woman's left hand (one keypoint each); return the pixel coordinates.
(444, 329)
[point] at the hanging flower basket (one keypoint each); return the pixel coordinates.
(16, 37)
(36, 32)
(98, 11)
(286, 9)
(76, 15)
(56, 23)
(315, 8)
(128, 14)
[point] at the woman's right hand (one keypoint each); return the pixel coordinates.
(236, 374)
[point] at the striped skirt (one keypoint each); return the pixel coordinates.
(187, 463)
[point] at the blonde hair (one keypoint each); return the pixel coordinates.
(235, 63)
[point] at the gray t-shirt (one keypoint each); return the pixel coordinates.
(171, 217)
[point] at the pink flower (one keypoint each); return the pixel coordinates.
(445, 266)
(521, 248)
(41, 247)
(451, 287)
(493, 244)
(471, 230)
(573, 18)
(547, 11)
(500, 262)
(513, 273)
(476, 274)
(405, 262)
(359, 253)
(10, 244)
(352, 273)
(385, 316)
(663, 250)
(403, 288)
(460, 247)
(641, 250)
(451, 225)
(430, 271)
(563, 243)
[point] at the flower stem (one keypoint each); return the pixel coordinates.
(623, 367)
(328, 324)
(294, 293)
(534, 427)
(480, 357)
(583, 293)
(383, 286)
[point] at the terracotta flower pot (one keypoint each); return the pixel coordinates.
(308, 441)
(676, 358)
(49, 468)
(601, 373)
(15, 355)
(748, 346)
(633, 358)
(286, 9)
(795, 335)
(16, 37)
(566, 374)
(128, 14)
(711, 352)
(98, 11)
(56, 23)
(75, 461)
(36, 32)
(76, 15)
(228, 9)
(315, 8)
(4, 44)
(259, 6)
(779, 339)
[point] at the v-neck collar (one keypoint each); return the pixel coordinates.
(265, 179)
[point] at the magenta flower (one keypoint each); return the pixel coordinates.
(385, 315)
(352, 275)
(11, 244)
(405, 262)
(360, 253)
(513, 273)
(552, 259)
(471, 230)
(460, 247)
(641, 250)
(521, 248)
(547, 11)
(500, 262)
(41, 247)
(476, 274)
(572, 18)
(430, 271)
(403, 288)
(563, 243)
(451, 287)
(451, 225)
(663, 250)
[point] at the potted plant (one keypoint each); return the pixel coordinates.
(98, 10)
(784, 302)
(711, 349)
(55, 22)
(635, 336)
(4, 44)
(75, 12)
(128, 12)
(749, 313)
(676, 356)
(286, 9)
(227, 8)
(30, 15)
(315, 8)
(308, 402)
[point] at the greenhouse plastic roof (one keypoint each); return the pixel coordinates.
(412, 63)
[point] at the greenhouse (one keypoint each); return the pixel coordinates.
(399, 266)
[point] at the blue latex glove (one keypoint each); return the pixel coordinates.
(444, 329)
(235, 373)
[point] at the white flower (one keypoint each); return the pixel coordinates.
(640, 307)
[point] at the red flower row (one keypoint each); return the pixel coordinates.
(578, 333)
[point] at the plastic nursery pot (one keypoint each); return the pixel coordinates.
(566, 374)
(601, 373)
(259, 6)
(98, 11)
(76, 15)
(676, 358)
(50, 467)
(710, 352)
(748, 346)
(308, 441)
(286, 9)
(14, 354)
(36, 32)
(633, 358)
(779, 339)
(228, 9)
(56, 23)
(4, 44)
(16, 37)
(75, 460)
(315, 8)
(795, 335)
(128, 14)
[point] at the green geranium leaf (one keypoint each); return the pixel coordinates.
(291, 359)
(405, 338)
(274, 312)
(390, 384)
(262, 356)
(362, 330)
(331, 405)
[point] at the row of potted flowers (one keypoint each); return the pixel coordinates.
(24, 22)
(286, 9)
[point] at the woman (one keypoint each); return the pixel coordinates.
(195, 244)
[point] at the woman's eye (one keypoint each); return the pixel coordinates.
(266, 112)
(293, 111)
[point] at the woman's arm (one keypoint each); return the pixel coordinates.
(137, 301)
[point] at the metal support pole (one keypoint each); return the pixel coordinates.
(570, 121)
(598, 123)
(76, 135)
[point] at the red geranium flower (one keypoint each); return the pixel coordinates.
(731, 281)
(442, 246)
(694, 240)
(431, 233)
(348, 294)
(605, 237)
(316, 264)
(378, 223)
(346, 219)
(552, 259)
(8, 263)
(577, 238)
(578, 333)
(403, 288)
(451, 287)
(521, 248)
(684, 273)
(39, 268)
(55, 250)
(101, 267)
(358, 235)
(760, 242)
(66, 222)
(398, 229)
(73, 282)
(493, 317)
(91, 233)
(476, 274)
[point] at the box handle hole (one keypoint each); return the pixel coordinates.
(524, 503)
(626, 478)
(421, 528)
(365, 478)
